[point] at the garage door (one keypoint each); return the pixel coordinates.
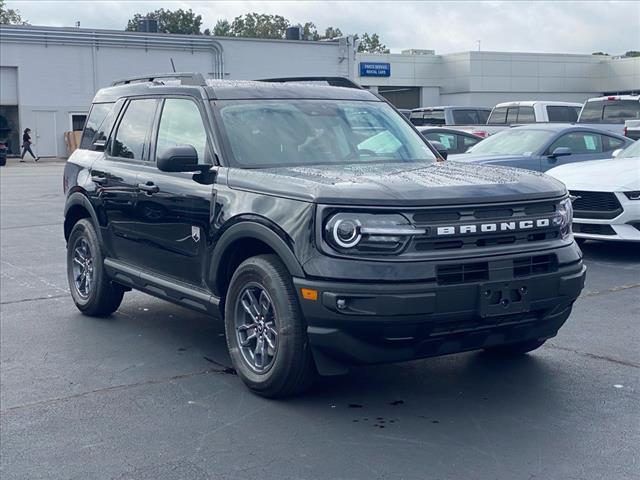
(8, 86)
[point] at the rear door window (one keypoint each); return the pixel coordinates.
(483, 115)
(467, 142)
(498, 116)
(465, 117)
(133, 132)
(620, 111)
(562, 114)
(526, 115)
(512, 115)
(433, 117)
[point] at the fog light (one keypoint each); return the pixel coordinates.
(341, 303)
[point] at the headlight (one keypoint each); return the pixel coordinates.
(564, 217)
(635, 195)
(369, 233)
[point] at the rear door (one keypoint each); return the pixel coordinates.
(116, 178)
(173, 209)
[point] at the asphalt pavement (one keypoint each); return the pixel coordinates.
(148, 393)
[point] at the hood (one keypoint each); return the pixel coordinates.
(438, 183)
(610, 175)
(485, 158)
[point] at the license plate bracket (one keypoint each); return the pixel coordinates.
(503, 298)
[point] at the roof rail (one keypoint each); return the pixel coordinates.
(333, 81)
(185, 79)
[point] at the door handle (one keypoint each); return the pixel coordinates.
(150, 188)
(98, 179)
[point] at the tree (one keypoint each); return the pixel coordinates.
(331, 33)
(222, 28)
(632, 53)
(371, 44)
(310, 32)
(176, 21)
(10, 16)
(258, 25)
(600, 53)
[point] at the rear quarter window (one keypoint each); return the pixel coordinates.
(98, 124)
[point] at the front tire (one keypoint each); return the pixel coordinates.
(514, 349)
(265, 330)
(92, 291)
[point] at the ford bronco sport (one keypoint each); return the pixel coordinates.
(316, 221)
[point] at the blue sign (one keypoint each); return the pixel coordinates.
(368, 69)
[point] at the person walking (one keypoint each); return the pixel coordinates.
(26, 145)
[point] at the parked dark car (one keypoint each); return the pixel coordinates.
(320, 243)
(541, 147)
(455, 141)
(3, 154)
(450, 115)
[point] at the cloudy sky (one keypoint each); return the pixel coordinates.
(530, 26)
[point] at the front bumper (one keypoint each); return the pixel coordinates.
(624, 227)
(361, 323)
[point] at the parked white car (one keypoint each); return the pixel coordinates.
(607, 203)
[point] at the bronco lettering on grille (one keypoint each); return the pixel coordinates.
(494, 227)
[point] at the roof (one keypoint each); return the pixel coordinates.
(559, 127)
(531, 103)
(615, 97)
(450, 107)
(237, 90)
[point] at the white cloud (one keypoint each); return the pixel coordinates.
(554, 26)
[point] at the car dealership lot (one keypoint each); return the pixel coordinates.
(147, 393)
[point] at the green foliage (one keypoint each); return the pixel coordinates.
(10, 16)
(600, 53)
(371, 44)
(331, 33)
(170, 21)
(632, 53)
(258, 25)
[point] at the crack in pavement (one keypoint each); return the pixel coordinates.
(218, 370)
(626, 363)
(34, 299)
(593, 293)
(32, 226)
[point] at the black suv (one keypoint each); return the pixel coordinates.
(316, 221)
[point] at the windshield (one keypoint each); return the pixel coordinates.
(515, 141)
(273, 133)
(631, 151)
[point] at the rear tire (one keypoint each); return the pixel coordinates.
(92, 291)
(515, 348)
(266, 332)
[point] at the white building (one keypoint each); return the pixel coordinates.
(48, 76)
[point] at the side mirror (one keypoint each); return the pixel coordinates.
(181, 158)
(560, 152)
(617, 152)
(442, 150)
(100, 145)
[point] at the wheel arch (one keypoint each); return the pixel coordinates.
(244, 240)
(78, 207)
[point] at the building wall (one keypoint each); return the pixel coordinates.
(64, 78)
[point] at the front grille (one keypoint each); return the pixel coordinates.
(462, 273)
(595, 204)
(451, 274)
(523, 267)
(593, 229)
